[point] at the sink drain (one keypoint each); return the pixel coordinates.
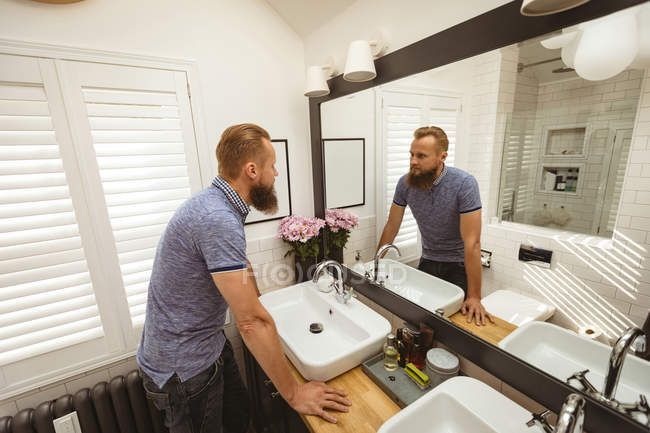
(316, 328)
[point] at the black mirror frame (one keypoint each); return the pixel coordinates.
(505, 26)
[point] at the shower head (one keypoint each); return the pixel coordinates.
(562, 69)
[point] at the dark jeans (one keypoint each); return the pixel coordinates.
(454, 272)
(213, 401)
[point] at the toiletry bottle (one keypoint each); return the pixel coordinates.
(418, 352)
(402, 360)
(390, 353)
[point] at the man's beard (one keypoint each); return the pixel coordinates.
(421, 180)
(264, 199)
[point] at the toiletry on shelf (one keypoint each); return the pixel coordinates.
(390, 353)
(418, 352)
(401, 348)
(420, 378)
(441, 365)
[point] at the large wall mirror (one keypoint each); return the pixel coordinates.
(551, 152)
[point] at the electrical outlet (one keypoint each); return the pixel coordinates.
(486, 258)
(67, 424)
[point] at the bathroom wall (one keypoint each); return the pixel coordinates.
(245, 76)
(602, 105)
(402, 24)
(593, 281)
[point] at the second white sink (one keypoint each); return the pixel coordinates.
(561, 353)
(350, 334)
(460, 405)
(429, 292)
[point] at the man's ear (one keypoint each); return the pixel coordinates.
(251, 170)
(444, 155)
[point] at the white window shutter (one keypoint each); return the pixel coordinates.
(136, 136)
(47, 299)
(400, 122)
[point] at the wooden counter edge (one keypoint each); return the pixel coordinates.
(371, 407)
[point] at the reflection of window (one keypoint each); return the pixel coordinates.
(402, 114)
(95, 159)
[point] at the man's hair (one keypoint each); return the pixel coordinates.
(441, 138)
(238, 145)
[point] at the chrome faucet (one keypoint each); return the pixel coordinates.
(608, 395)
(381, 252)
(616, 360)
(342, 294)
(570, 420)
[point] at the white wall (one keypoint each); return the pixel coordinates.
(251, 69)
(402, 22)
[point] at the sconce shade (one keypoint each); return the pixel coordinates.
(535, 8)
(607, 47)
(316, 83)
(359, 65)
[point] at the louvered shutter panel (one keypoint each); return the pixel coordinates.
(140, 136)
(400, 122)
(47, 300)
(447, 119)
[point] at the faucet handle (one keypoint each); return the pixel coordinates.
(539, 419)
(581, 377)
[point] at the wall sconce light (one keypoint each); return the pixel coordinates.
(602, 48)
(316, 80)
(535, 8)
(360, 62)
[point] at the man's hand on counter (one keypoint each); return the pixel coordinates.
(474, 310)
(312, 398)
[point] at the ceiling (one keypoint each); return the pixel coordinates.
(305, 16)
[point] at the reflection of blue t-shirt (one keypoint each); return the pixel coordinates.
(437, 211)
(185, 310)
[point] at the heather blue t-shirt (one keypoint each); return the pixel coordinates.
(185, 311)
(437, 211)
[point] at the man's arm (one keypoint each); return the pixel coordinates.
(260, 335)
(391, 228)
(470, 232)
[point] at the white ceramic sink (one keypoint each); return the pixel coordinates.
(423, 289)
(351, 333)
(560, 353)
(460, 405)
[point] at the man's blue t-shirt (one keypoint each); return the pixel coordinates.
(437, 211)
(185, 311)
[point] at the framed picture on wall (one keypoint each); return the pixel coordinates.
(282, 186)
(344, 172)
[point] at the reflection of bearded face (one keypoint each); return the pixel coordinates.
(264, 198)
(420, 179)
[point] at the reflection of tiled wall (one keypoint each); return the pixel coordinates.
(602, 106)
(603, 283)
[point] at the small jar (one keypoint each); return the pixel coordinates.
(441, 365)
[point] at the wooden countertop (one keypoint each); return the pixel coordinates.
(490, 332)
(371, 407)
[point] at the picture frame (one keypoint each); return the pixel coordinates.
(282, 186)
(345, 155)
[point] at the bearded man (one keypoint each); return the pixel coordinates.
(200, 269)
(446, 204)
